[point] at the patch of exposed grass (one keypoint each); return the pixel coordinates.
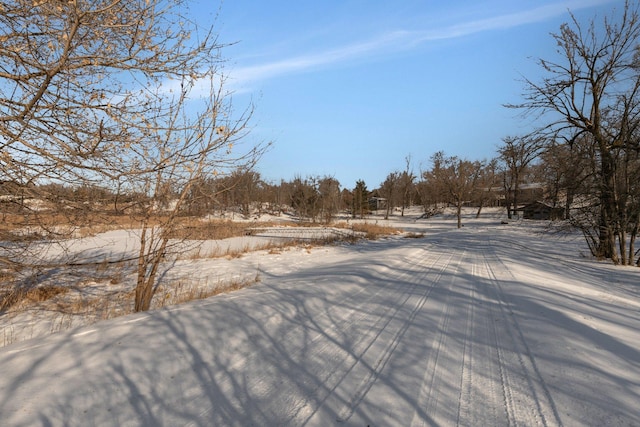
(45, 224)
(37, 225)
(197, 229)
(85, 223)
(371, 231)
(275, 246)
(186, 292)
(11, 296)
(45, 292)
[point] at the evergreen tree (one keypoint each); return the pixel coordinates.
(360, 199)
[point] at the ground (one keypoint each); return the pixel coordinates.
(491, 324)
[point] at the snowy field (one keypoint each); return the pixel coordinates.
(489, 325)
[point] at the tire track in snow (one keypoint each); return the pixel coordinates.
(488, 368)
(327, 343)
(349, 341)
(528, 388)
(433, 381)
(345, 360)
(353, 375)
(463, 359)
(386, 347)
(494, 380)
(465, 404)
(347, 319)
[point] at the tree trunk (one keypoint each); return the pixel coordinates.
(632, 241)
(567, 206)
(608, 208)
(479, 209)
(507, 196)
(516, 191)
(622, 246)
(149, 262)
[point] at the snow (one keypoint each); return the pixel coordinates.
(490, 324)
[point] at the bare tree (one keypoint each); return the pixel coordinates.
(487, 183)
(567, 174)
(122, 94)
(389, 189)
(244, 185)
(71, 74)
(329, 193)
(430, 193)
(406, 184)
(457, 179)
(74, 77)
(592, 92)
(184, 149)
(516, 154)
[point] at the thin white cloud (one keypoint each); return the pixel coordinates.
(400, 40)
(333, 56)
(538, 14)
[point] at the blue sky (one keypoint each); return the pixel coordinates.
(350, 88)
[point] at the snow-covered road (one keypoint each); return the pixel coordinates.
(484, 326)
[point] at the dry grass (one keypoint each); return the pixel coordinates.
(70, 289)
(188, 228)
(58, 308)
(354, 233)
(12, 296)
(43, 224)
(40, 224)
(187, 291)
(7, 275)
(232, 253)
(371, 231)
(198, 229)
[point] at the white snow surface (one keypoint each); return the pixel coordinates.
(488, 325)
